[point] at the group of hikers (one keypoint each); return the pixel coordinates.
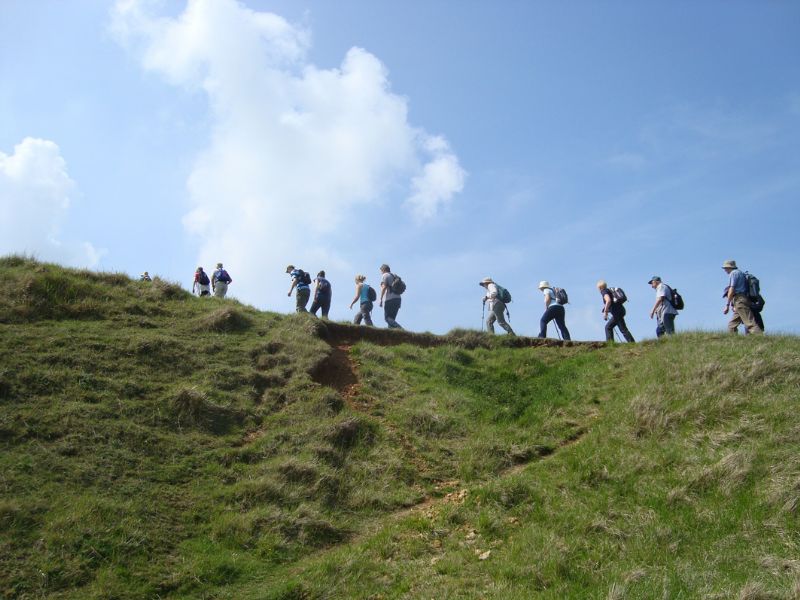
(742, 294)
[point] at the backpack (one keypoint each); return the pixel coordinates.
(503, 294)
(372, 295)
(618, 295)
(398, 285)
(753, 286)
(303, 277)
(203, 279)
(222, 275)
(675, 299)
(561, 295)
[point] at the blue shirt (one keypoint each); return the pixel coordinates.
(364, 297)
(738, 282)
(295, 275)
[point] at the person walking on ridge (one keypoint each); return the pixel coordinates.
(553, 311)
(302, 282)
(365, 300)
(613, 305)
(145, 277)
(496, 306)
(739, 297)
(391, 304)
(663, 308)
(202, 284)
(220, 281)
(322, 295)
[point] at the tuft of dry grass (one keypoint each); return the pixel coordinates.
(226, 319)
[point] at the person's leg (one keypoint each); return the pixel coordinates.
(561, 323)
(325, 303)
(301, 297)
(759, 320)
(733, 324)
(390, 310)
(742, 305)
(497, 310)
(315, 306)
(220, 289)
(546, 318)
(490, 321)
(623, 328)
(610, 324)
(366, 310)
(659, 327)
(669, 324)
(358, 317)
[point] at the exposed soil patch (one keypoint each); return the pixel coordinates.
(337, 371)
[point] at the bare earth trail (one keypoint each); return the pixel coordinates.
(340, 372)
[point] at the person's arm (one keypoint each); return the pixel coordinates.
(730, 298)
(294, 283)
(659, 302)
(607, 307)
(384, 287)
(358, 294)
(547, 300)
(316, 289)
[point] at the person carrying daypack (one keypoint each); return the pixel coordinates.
(664, 307)
(554, 300)
(497, 297)
(613, 304)
(365, 296)
(220, 281)
(302, 282)
(391, 288)
(202, 284)
(322, 295)
(145, 277)
(739, 298)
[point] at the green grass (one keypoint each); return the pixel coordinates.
(154, 444)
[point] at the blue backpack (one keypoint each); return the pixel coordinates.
(222, 275)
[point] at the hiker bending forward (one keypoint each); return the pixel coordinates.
(496, 306)
(364, 303)
(738, 297)
(553, 311)
(617, 311)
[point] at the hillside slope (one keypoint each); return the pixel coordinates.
(160, 445)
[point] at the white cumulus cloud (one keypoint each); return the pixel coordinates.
(34, 200)
(295, 149)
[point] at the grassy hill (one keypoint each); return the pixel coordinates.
(158, 445)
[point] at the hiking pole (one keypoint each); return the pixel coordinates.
(619, 337)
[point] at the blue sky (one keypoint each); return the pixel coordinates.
(566, 141)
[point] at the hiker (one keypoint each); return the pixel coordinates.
(496, 306)
(613, 304)
(391, 305)
(756, 304)
(302, 281)
(663, 308)
(553, 311)
(322, 295)
(220, 281)
(739, 298)
(365, 300)
(202, 284)
(145, 277)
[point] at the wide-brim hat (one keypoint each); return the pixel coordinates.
(654, 278)
(729, 264)
(486, 281)
(544, 284)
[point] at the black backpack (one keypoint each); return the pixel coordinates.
(753, 286)
(303, 277)
(372, 295)
(561, 295)
(618, 295)
(676, 299)
(398, 285)
(203, 279)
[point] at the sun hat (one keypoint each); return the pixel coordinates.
(544, 284)
(654, 278)
(486, 281)
(729, 264)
